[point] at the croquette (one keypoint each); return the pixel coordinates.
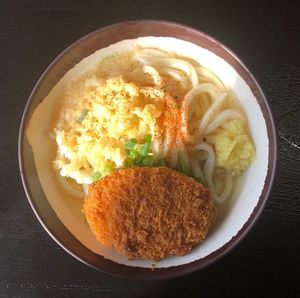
(149, 213)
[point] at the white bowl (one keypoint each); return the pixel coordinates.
(67, 225)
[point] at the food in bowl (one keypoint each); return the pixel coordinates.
(146, 108)
(141, 109)
(149, 107)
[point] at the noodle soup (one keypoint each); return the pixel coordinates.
(185, 105)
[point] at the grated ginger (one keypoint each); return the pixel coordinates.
(234, 149)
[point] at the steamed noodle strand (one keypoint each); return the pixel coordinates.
(208, 174)
(156, 78)
(156, 147)
(175, 63)
(222, 117)
(150, 52)
(227, 189)
(188, 99)
(85, 188)
(167, 143)
(173, 73)
(210, 113)
(207, 75)
(196, 168)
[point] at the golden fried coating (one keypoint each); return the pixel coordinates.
(149, 213)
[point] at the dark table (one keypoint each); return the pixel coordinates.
(264, 34)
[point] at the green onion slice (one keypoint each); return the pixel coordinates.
(148, 161)
(96, 176)
(184, 165)
(130, 144)
(82, 116)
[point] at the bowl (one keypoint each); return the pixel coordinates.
(249, 198)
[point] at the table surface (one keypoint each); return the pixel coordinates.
(263, 34)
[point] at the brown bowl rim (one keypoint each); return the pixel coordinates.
(174, 271)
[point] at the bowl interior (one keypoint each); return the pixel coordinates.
(248, 198)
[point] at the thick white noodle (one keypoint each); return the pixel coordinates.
(156, 77)
(177, 75)
(173, 73)
(209, 163)
(210, 113)
(208, 75)
(152, 92)
(174, 157)
(221, 118)
(181, 148)
(152, 52)
(85, 188)
(167, 143)
(196, 168)
(156, 147)
(205, 87)
(227, 188)
(188, 99)
(175, 63)
(142, 59)
(208, 174)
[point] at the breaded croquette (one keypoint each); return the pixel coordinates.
(149, 213)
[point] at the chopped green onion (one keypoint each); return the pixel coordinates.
(129, 162)
(144, 150)
(82, 116)
(138, 155)
(133, 153)
(148, 161)
(109, 168)
(130, 144)
(200, 180)
(106, 58)
(161, 162)
(96, 176)
(138, 161)
(184, 165)
(148, 138)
